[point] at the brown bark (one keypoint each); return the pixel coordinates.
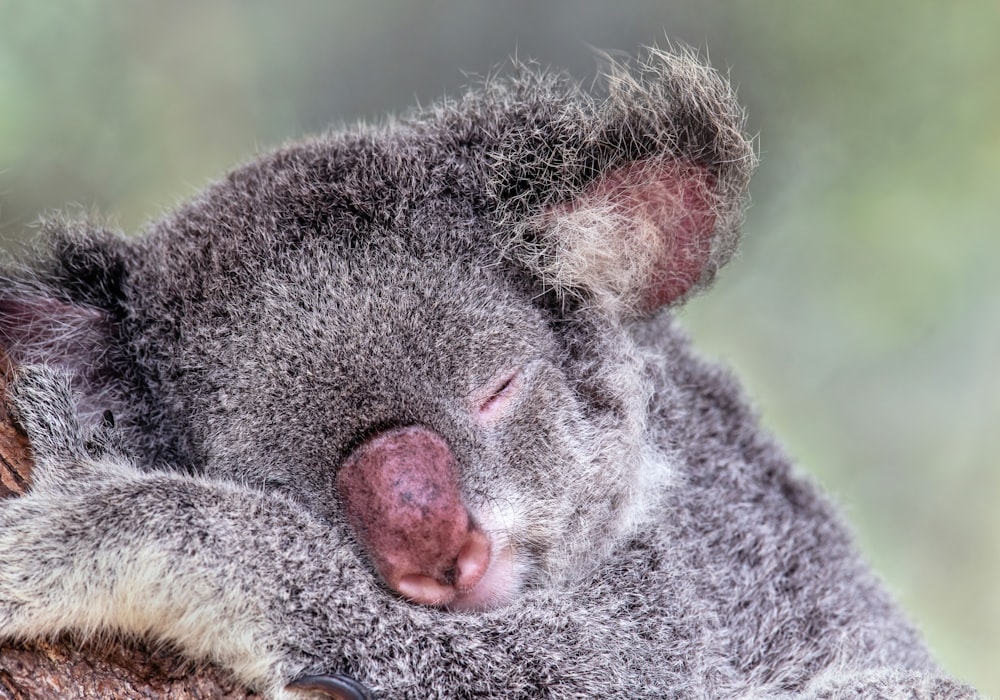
(15, 454)
(64, 669)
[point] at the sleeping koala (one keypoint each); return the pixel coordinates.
(403, 411)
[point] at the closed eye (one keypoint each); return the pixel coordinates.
(494, 398)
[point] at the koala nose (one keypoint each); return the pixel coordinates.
(401, 497)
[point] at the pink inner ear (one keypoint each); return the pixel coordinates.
(37, 329)
(40, 327)
(676, 200)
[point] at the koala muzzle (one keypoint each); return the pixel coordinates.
(401, 496)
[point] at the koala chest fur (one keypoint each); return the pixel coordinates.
(421, 404)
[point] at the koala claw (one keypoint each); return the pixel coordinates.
(337, 686)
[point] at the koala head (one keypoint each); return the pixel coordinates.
(420, 330)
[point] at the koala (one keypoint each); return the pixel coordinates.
(402, 411)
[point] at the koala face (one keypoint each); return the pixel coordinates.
(337, 348)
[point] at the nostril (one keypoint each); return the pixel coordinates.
(424, 590)
(464, 574)
(473, 561)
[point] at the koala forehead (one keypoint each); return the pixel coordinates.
(390, 314)
(331, 345)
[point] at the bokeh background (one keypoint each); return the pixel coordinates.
(863, 313)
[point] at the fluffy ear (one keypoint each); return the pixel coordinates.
(63, 309)
(633, 201)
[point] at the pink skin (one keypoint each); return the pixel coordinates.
(401, 496)
(677, 199)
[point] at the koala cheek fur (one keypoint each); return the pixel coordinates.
(408, 403)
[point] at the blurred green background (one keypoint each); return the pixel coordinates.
(863, 313)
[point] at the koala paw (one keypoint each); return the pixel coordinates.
(40, 401)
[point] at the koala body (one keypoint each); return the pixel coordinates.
(407, 403)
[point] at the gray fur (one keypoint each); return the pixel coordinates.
(378, 277)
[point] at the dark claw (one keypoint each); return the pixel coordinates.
(336, 686)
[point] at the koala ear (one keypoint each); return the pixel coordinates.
(62, 310)
(630, 202)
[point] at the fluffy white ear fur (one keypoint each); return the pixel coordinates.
(640, 237)
(631, 202)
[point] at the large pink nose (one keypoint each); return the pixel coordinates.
(400, 494)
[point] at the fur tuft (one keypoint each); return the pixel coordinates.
(669, 115)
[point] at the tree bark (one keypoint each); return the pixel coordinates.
(66, 669)
(15, 453)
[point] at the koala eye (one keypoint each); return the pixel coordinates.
(495, 396)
